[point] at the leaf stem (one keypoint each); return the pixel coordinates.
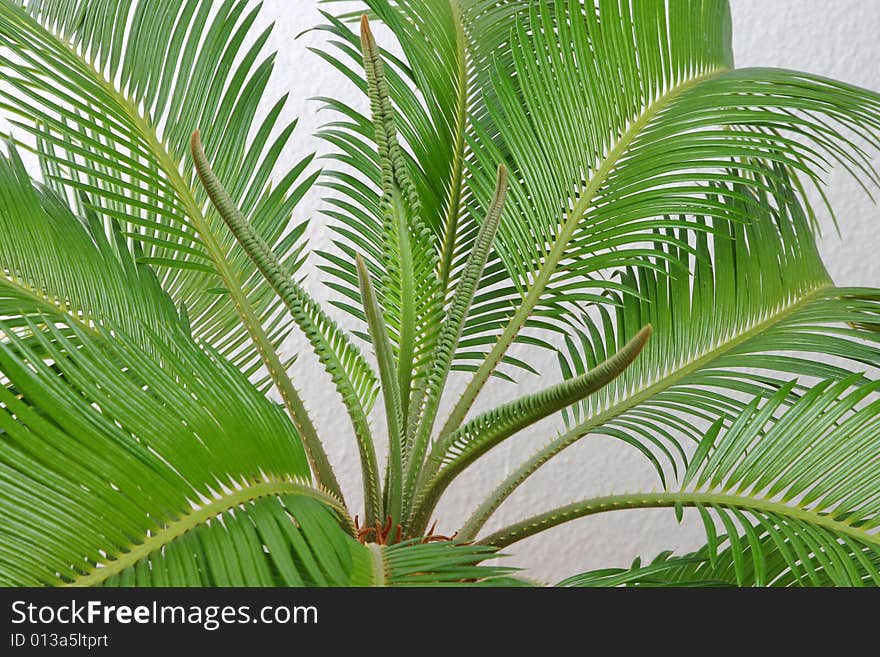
(262, 256)
(544, 521)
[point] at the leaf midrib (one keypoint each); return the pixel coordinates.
(200, 516)
(539, 523)
(460, 125)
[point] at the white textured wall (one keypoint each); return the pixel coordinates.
(835, 38)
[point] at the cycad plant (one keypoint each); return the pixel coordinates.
(593, 178)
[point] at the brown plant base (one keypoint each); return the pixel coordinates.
(381, 533)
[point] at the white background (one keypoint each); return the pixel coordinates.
(834, 38)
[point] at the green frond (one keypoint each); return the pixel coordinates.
(794, 485)
(350, 372)
(757, 290)
(95, 86)
(616, 120)
(278, 541)
(55, 262)
(111, 454)
(434, 126)
(737, 565)
(148, 460)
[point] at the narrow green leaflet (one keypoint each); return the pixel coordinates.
(94, 85)
(55, 263)
(447, 563)
(757, 291)
(794, 486)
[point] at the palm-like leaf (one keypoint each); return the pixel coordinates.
(666, 570)
(615, 128)
(124, 142)
(412, 298)
(458, 450)
(90, 438)
(757, 291)
(435, 128)
(795, 489)
(53, 263)
(766, 291)
(112, 119)
(124, 443)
